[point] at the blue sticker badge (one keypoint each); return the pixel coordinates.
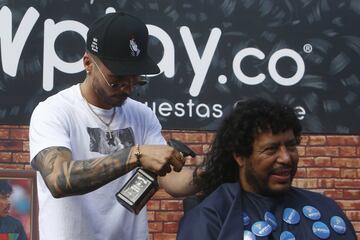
(261, 228)
(246, 219)
(286, 235)
(249, 235)
(291, 216)
(311, 213)
(270, 218)
(321, 230)
(338, 224)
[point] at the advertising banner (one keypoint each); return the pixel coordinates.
(211, 54)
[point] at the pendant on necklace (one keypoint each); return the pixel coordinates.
(110, 137)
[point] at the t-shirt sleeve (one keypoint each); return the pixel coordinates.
(153, 130)
(48, 128)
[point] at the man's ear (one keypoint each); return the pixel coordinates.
(87, 62)
(239, 159)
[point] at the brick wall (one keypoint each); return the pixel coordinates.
(329, 164)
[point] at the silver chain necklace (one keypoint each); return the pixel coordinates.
(108, 133)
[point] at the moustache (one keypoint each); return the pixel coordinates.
(283, 170)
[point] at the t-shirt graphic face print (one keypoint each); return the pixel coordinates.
(107, 143)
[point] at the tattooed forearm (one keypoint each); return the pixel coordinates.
(65, 177)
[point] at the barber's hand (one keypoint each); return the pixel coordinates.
(160, 159)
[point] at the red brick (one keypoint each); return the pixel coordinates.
(21, 157)
(347, 183)
(306, 162)
(164, 236)
(190, 137)
(19, 134)
(305, 183)
(153, 205)
(348, 151)
(304, 140)
(317, 140)
(352, 194)
(4, 133)
(346, 162)
(349, 204)
(151, 215)
(326, 183)
(342, 140)
(10, 145)
(301, 151)
(348, 173)
(155, 227)
(323, 162)
(322, 151)
(171, 205)
(170, 227)
(168, 216)
(26, 146)
(28, 167)
(301, 172)
(12, 166)
(5, 156)
(334, 194)
(353, 215)
(323, 172)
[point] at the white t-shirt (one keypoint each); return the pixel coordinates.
(64, 119)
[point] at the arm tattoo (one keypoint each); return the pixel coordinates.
(65, 177)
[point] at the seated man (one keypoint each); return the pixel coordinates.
(247, 183)
(10, 227)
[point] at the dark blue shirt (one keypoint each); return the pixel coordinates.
(229, 212)
(12, 226)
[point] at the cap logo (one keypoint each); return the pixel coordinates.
(94, 45)
(135, 51)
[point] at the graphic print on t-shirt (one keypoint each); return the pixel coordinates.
(107, 143)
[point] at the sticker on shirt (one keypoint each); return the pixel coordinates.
(108, 142)
(311, 213)
(249, 235)
(246, 219)
(338, 224)
(291, 216)
(261, 228)
(286, 235)
(321, 230)
(270, 218)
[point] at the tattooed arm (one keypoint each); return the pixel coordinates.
(65, 177)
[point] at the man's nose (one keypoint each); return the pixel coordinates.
(284, 155)
(128, 87)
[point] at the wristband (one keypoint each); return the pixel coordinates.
(138, 155)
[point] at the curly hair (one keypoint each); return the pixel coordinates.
(237, 134)
(5, 187)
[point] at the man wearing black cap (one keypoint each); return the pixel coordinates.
(86, 140)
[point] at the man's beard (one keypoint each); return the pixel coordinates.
(261, 186)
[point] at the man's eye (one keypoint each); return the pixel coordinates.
(270, 151)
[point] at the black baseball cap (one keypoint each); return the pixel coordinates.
(120, 41)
